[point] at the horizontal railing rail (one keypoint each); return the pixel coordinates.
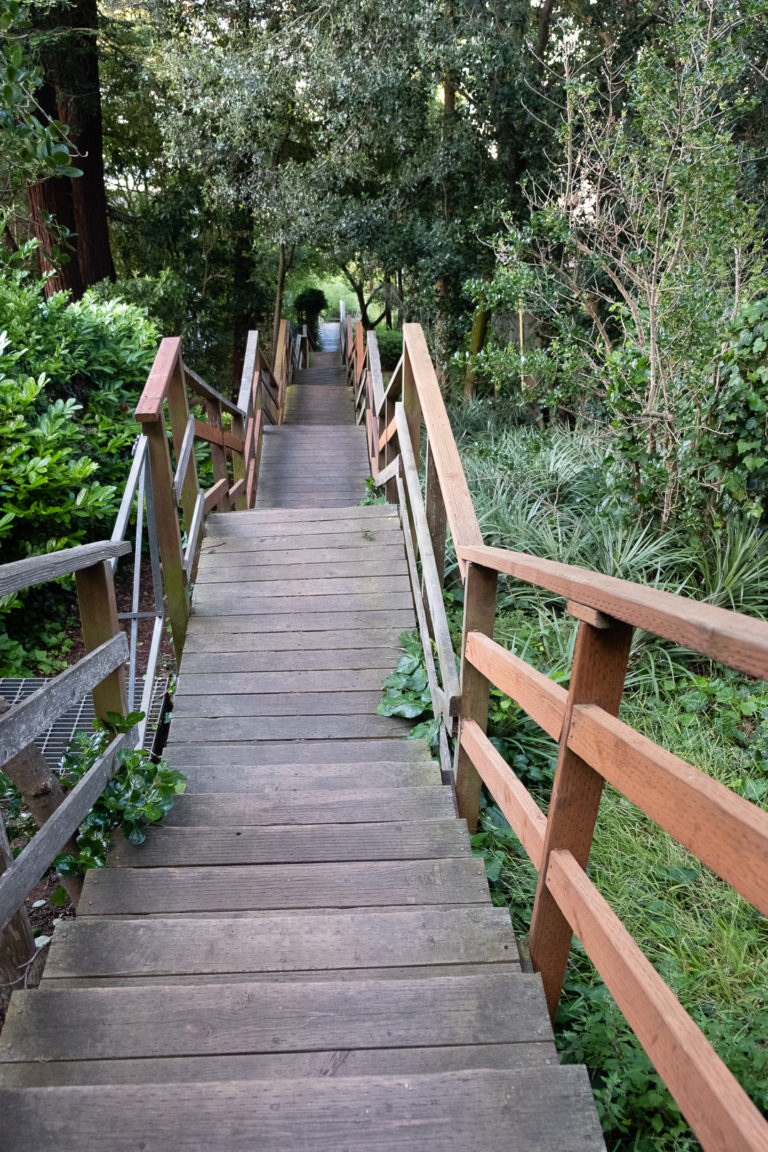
(233, 434)
(101, 672)
(724, 831)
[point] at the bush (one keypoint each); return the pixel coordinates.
(70, 376)
(390, 341)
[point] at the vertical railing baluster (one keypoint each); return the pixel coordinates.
(479, 616)
(597, 677)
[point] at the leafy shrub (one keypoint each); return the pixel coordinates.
(390, 341)
(139, 794)
(70, 376)
(406, 691)
(309, 304)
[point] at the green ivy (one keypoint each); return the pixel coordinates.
(140, 793)
(406, 691)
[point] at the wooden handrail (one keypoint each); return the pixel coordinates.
(739, 641)
(725, 831)
(20, 574)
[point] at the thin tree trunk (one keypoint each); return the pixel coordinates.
(400, 299)
(283, 268)
(476, 342)
(388, 300)
(17, 944)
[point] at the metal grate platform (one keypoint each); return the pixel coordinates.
(53, 743)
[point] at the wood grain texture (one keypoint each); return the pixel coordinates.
(275, 943)
(280, 1066)
(306, 562)
(343, 751)
(540, 697)
(346, 806)
(235, 729)
(292, 844)
(368, 537)
(257, 663)
(263, 1017)
(151, 401)
(288, 702)
(723, 830)
(206, 641)
(242, 887)
(272, 778)
(295, 681)
(397, 619)
(38, 569)
(709, 1096)
(549, 1109)
(734, 639)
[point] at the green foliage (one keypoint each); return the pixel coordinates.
(390, 342)
(33, 146)
(140, 793)
(308, 305)
(406, 691)
(70, 376)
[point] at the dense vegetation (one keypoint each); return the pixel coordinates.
(572, 198)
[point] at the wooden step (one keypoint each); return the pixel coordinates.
(477, 934)
(363, 752)
(258, 662)
(290, 640)
(270, 779)
(352, 523)
(547, 1109)
(366, 540)
(248, 1017)
(396, 620)
(236, 729)
(246, 887)
(343, 681)
(210, 1070)
(291, 701)
(348, 806)
(181, 847)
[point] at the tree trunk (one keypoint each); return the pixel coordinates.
(283, 268)
(41, 792)
(388, 300)
(69, 56)
(476, 342)
(400, 299)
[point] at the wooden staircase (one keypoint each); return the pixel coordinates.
(305, 955)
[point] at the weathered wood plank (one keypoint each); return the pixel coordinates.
(263, 1017)
(725, 831)
(269, 779)
(292, 844)
(367, 752)
(285, 1065)
(37, 712)
(399, 619)
(236, 729)
(142, 891)
(249, 589)
(353, 525)
(552, 1108)
(291, 701)
(737, 640)
(371, 538)
(208, 641)
(709, 1096)
(294, 681)
(346, 660)
(274, 943)
(45, 845)
(208, 602)
(306, 562)
(537, 694)
(150, 403)
(37, 569)
(350, 806)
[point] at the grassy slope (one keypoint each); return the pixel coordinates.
(544, 493)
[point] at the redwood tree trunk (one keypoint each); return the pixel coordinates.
(69, 57)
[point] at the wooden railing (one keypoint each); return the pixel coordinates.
(102, 672)
(725, 831)
(234, 435)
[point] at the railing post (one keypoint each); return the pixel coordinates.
(98, 616)
(178, 412)
(436, 518)
(411, 403)
(479, 615)
(597, 677)
(218, 455)
(17, 944)
(168, 532)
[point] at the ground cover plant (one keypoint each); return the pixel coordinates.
(542, 491)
